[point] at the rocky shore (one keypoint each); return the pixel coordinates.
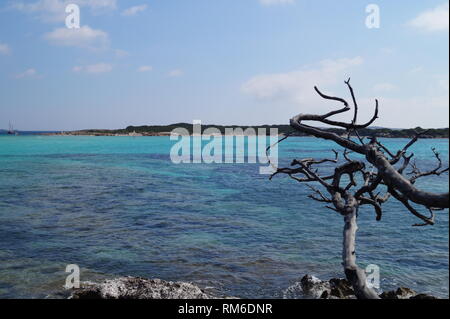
(141, 288)
(335, 288)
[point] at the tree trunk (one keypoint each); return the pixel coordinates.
(355, 275)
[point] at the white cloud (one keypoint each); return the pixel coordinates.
(121, 53)
(175, 73)
(432, 20)
(27, 74)
(411, 112)
(275, 2)
(54, 10)
(145, 68)
(134, 10)
(384, 87)
(293, 92)
(4, 49)
(297, 86)
(96, 4)
(84, 37)
(93, 68)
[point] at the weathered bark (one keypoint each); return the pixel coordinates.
(355, 275)
(393, 178)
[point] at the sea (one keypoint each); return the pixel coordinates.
(119, 206)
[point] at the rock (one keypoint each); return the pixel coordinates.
(139, 288)
(314, 288)
(400, 293)
(405, 293)
(324, 295)
(341, 288)
(388, 295)
(336, 288)
(336, 292)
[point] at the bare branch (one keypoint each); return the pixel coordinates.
(397, 181)
(270, 146)
(322, 198)
(406, 161)
(327, 97)
(437, 171)
(375, 204)
(346, 153)
(402, 199)
(355, 104)
(430, 222)
(307, 162)
(348, 169)
(403, 151)
(384, 148)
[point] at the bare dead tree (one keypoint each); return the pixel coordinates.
(354, 183)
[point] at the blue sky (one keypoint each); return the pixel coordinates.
(243, 62)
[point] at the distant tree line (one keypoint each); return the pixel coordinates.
(282, 129)
(287, 129)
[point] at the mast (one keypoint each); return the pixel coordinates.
(10, 129)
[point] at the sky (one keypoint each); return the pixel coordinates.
(242, 62)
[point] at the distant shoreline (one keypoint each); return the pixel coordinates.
(168, 135)
(283, 130)
(253, 130)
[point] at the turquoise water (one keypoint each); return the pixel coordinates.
(118, 206)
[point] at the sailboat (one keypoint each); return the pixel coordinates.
(11, 130)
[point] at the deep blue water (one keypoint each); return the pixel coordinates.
(118, 206)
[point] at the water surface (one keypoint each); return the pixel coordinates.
(118, 206)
